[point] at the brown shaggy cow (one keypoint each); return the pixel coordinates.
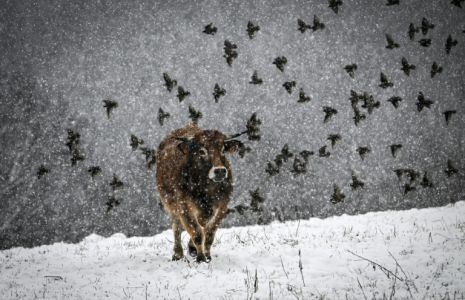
(194, 181)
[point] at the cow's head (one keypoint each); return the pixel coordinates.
(206, 151)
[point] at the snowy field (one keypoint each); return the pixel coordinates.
(415, 254)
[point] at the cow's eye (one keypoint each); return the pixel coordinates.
(202, 152)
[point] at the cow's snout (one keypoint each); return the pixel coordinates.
(218, 174)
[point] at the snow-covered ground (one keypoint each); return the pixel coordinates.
(417, 254)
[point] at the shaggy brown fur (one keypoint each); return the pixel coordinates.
(194, 201)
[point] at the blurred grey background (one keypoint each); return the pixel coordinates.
(60, 59)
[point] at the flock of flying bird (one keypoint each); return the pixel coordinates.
(300, 160)
(300, 165)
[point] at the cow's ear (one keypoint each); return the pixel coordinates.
(184, 147)
(231, 146)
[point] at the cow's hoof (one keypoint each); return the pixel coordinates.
(201, 258)
(192, 251)
(176, 257)
(208, 258)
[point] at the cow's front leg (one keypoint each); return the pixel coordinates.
(192, 226)
(211, 227)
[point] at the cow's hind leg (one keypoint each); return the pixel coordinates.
(192, 248)
(177, 230)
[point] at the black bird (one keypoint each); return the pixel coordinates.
(337, 196)
(278, 160)
(395, 101)
(329, 112)
(358, 116)
(413, 175)
(110, 105)
(425, 26)
(255, 79)
(94, 171)
(194, 115)
(242, 150)
(285, 153)
(334, 5)
(399, 173)
(448, 114)
(394, 148)
(406, 67)
(351, 69)
(288, 85)
(218, 92)
(253, 129)
(228, 46)
(150, 156)
(229, 53)
(317, 24)
(116, 184)
(256, 200)
(435, 69)
(272, 169)
(182, 93)
(422, 102)
(362, 151)
(384, 81)
(280, 62)
(425, 42)
(408, 188)
(162, 116)
(169, 83)
(450, 43)
(323, 153)
(356, 183)
(369, 103)
(392, 2)
(75, 157)
(228, 211)
(425, 182)
(73, 140)
(391, 44)
(303, 26)
(299, 167)
(230, 58)
(210, 29)
(303, 97)
(135, 142)
(457, 3)
(42, 171)
(412, 30)
(306, 154)
(112, 203)
(241, 208)
(451, 170)
(251, 29)
(354, 98)
(334, 138)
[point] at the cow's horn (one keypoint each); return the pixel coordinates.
(184, 139)
(228, 137)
